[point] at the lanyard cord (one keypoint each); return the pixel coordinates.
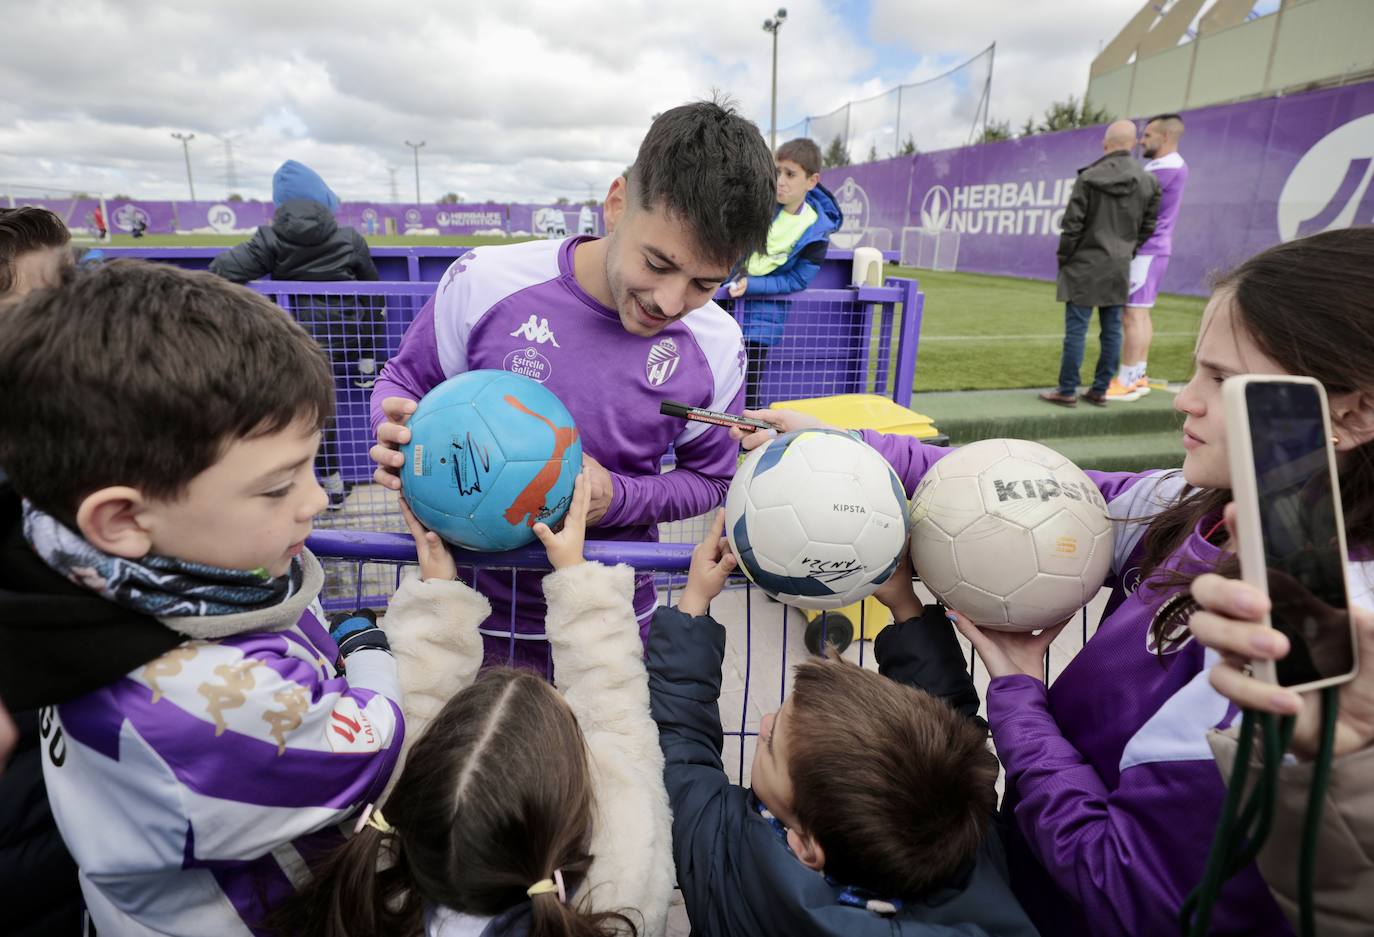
(1321, 780)
(1243, 828)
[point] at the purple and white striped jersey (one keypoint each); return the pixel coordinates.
(1172, 173)
(1110, 778)
(518, 308)
(193, 791)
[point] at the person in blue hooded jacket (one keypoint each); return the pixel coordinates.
(807, 213)
(305, 242)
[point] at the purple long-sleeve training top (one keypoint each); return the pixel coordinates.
(1110, 779)
(519, 308)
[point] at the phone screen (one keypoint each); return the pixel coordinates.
(1299, 525)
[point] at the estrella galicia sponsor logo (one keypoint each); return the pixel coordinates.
(536, 330)
(1332, 186)
(935, 208)
(663, 361)
(527, 362)
(853, 202)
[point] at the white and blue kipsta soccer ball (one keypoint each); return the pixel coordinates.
(1011, 533)
(817, 518)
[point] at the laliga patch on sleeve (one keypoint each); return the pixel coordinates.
(350, 730)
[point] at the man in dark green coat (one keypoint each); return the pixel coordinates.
(1111, 212)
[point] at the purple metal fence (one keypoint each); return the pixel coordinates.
(375, 562)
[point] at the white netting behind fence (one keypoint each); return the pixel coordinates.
(946, 111)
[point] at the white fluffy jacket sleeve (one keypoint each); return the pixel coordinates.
(432, 628)
(598, 664)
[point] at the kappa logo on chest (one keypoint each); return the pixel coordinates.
(536, 330)
(662, 362)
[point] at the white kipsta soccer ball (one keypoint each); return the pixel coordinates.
(1011, 533)
(817, 518)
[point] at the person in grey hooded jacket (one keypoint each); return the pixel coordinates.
(304, 242)
(1111, 212)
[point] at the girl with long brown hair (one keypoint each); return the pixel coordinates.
(1110, 780)
(519, 810)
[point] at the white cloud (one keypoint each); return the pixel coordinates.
(527, 99)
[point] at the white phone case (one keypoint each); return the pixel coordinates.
(1248, 541)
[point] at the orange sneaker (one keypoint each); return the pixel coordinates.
(1118, 392)
(1142, 386)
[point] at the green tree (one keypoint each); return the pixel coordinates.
(561, 200)
(909, 147)
(1067, 115)
(450, 198)
(994, 131)
(836, 154)
(592, 202)
(234, 197)
(872, 156)
(119, 196)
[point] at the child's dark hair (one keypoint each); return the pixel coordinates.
(23, 230)
(139, 374)
(896, 787)
(493, 798)
(1306, 305)
(708, 167)
(804, 153)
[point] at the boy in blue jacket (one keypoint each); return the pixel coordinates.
(806, 215)
(871, 806)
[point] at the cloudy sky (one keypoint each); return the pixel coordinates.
(516, 100)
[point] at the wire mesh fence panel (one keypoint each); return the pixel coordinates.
(945, 111)
(763, 638)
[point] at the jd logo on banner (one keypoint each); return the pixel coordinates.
(1333, 184)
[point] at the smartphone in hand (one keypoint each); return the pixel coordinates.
(1290, 532)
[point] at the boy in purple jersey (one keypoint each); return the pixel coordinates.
(1159, 145)
(200, 735)
(614, 326)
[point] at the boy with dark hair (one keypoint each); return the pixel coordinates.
(199, 735)
(803, 219)
(33, 250)
(871, 808)
(614, 326)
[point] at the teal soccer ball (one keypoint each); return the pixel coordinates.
(490, 455)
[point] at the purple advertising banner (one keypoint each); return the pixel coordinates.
(1260, 172)
(370, 218)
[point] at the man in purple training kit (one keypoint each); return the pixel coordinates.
(1159, 146)
(614, 326)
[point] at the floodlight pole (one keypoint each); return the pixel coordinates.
(186, 139)
(416, 148)
(772, 26)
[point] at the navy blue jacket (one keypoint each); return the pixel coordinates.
(763, 321)
(737, 876)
